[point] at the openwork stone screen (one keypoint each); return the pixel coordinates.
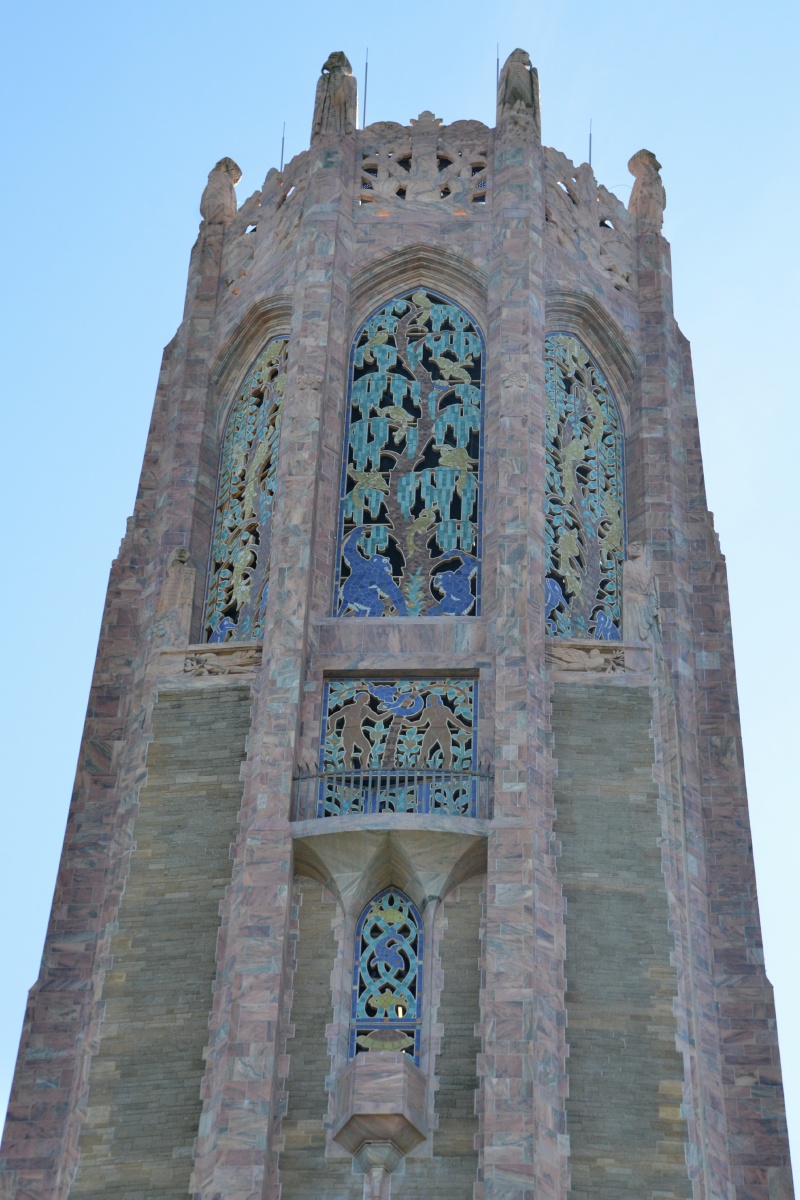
(404, 745)
(238, 581)
(410, 510)
(387, 977)
(585, 532)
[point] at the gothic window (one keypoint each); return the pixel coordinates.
(238, 580)
(585, 504)
(410, 508)
(405, 745)
(387, 977)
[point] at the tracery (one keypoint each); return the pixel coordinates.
(585, 497)
(387, 977)
(238, 579)
(410, 508)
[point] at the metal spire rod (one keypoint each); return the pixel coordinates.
(366, 76)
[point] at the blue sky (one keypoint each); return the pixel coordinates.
(118, 112)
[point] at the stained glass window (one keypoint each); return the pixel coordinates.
(585, 503)
(410, 508)
(387, 977)
(238, 582)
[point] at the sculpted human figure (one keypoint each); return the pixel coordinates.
(218, 202)
(336, 99)
(518, 87)
(353, 737)
(648, 198)
(639, 595)
(174, 606)
(438, 717)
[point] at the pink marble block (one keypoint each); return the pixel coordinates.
(380, 1097)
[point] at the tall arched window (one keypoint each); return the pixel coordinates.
(238, 577)
(410, 508)
(387, 977)
(585, 505)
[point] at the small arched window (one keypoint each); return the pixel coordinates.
(410, 507)
(387, 977)
(585, 501)
(238, 576)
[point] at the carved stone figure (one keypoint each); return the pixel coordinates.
(518, 87)
(218, 202)
(565, 657)
(174, 606)
(239, 662)
(639, 595)
(336, 100)
(648, 198)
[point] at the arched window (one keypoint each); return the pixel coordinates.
(238, 577)
(585, 505)
(387, 977)
(410, 508)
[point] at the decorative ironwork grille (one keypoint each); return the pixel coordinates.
(387, 977)
(424, 792)
(410, 509)
(585, 504)
(238, 578)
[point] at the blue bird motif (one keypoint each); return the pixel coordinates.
(396, 702)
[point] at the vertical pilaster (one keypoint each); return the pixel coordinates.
(523, 1045)
(659, 516)
(241, 1090)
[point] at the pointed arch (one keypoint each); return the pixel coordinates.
(238, 573)
(386, 1012)
(409, 535)
(585, 496)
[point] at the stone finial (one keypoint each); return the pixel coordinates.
(218, 202)
(518, 88)
(335, 105)
(648, 198)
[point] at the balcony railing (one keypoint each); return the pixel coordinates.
(428, 791)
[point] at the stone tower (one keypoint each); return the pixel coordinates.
(409, 847)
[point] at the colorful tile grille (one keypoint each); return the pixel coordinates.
(585, 504)
(238, 581)
(410, 510)
(404, 745)
(387, 977)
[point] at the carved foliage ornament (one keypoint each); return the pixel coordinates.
(584, 513)
(387, 977)
(239, 570)
(424, 164)
(410, 509)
